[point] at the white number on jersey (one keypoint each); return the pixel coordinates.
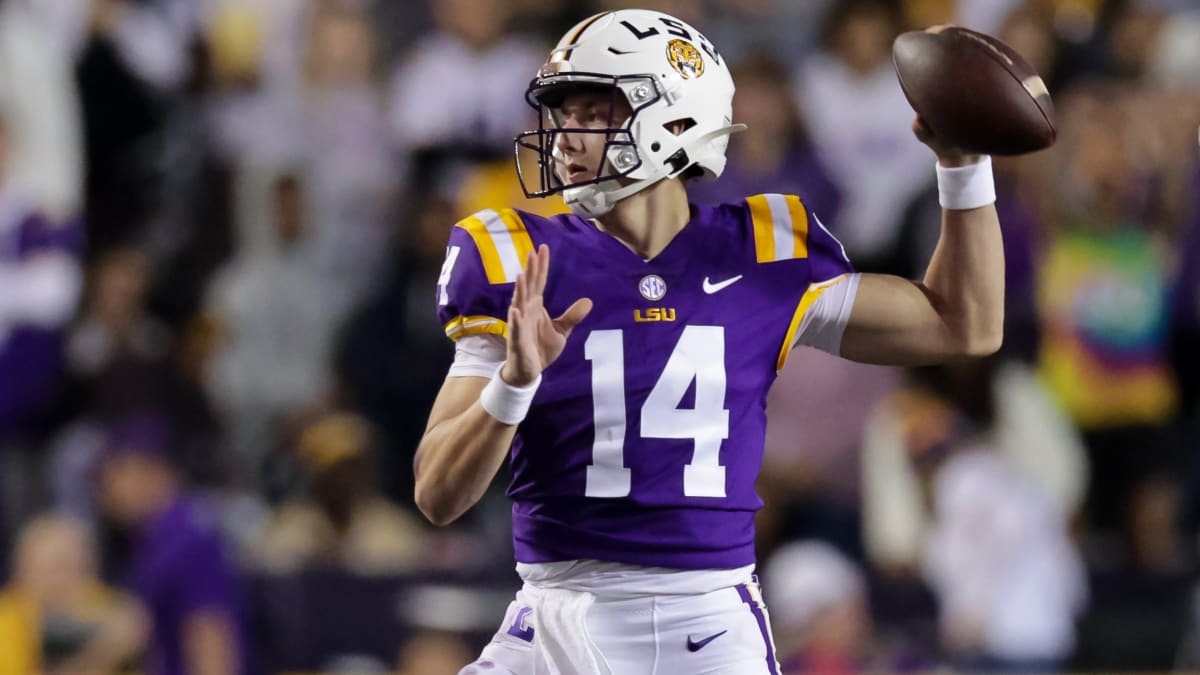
(699, 356)
(444, 278)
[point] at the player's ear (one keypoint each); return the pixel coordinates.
(679, 126)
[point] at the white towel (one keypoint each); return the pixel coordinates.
(563, 646)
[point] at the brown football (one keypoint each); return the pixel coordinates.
(974, 91)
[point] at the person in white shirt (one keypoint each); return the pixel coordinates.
(1008, 580)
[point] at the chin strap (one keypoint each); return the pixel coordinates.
(593, 201)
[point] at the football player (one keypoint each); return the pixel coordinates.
(619, 356)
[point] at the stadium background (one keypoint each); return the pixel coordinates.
(256, 196)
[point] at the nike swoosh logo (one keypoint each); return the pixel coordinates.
(711, 288)
(694, 646)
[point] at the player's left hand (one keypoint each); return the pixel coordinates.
(535, 340)
(947, 153)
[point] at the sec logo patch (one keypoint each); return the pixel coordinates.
(652, 287)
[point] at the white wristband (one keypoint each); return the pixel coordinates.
(966, 187)
(505, 402)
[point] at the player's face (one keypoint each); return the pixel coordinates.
(580, 156)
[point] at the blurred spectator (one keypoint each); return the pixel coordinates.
(318, 114)
(1028, 428)
(56, 616)
(350, 174)
(177, 567)
(123, 359)
(40, 281)
(257, 52)
(461, 88)
(1102, 297)
(819, 611)
(1152, 523)
(774, 154)
(279, 317)
(115, 324)
(1142, 594)
(41, 108)
(861, 126)
(1008, 580)
(392, 355)
(342, 521)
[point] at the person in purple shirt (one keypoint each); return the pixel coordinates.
(625, 380)
(178, 567)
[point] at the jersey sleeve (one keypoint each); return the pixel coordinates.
(785, 229)
(485, 253)
(788, 233)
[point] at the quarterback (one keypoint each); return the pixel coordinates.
(619, 356)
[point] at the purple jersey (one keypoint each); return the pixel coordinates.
(646, 436)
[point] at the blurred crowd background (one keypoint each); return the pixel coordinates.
(221, 225)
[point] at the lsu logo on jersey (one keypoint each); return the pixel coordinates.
(654, 314)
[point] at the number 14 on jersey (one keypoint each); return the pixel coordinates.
(698, 357)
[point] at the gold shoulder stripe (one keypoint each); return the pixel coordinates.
(502, 240)
(460, 326)
(799, 217)
(764, 239)
(780, 227)
(806, 301)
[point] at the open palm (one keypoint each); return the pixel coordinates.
(534, 339)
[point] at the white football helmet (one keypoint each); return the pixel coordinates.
(668, 72)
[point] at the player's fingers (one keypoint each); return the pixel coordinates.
(518, 290)
(543, 256)
(514, 325)
(577, 312)
(534, 270)
(529, 274)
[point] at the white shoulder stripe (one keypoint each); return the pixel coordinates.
(782, 220)
(506, 248)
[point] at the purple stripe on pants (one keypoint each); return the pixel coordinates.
(744, 593)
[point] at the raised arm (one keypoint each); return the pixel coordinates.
(958, 308)
(473, 420)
